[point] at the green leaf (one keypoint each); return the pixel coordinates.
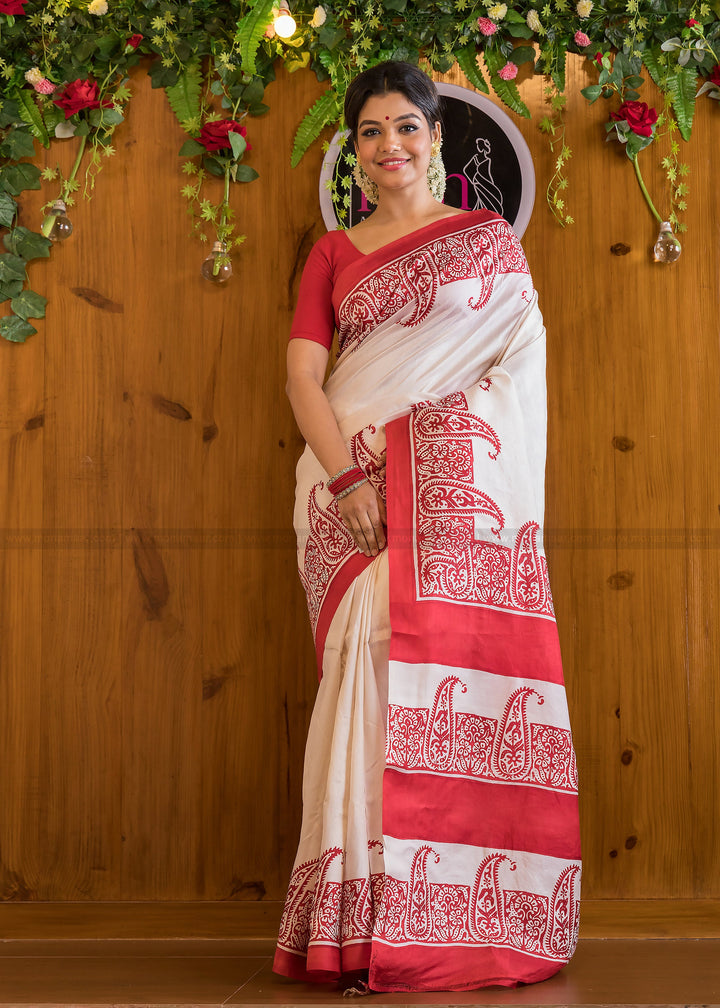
(12, 267)
(592, 92)
(14, 178)
(250, 31)
(15, 329)
(324, 111)
(23, 242)
(681, 87)
(29, 305)
(523, 54)
(184, 96)
(506, 91)
(212, 165)
(191, 148)
(245, 173)
(111, 117)
(467, 61)
(9, 112)
(31, 116)
(8, 209)
(11, 289)
(520, 31)
(253, 93)
(238, 144)
(17, 144)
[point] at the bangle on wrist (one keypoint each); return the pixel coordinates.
(346, 477)
(348, 490)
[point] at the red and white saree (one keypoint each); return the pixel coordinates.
(439, 844)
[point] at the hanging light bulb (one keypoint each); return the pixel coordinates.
(57, 226)
(667, 248)
(284, 23)
(217, 267)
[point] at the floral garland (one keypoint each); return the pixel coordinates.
(64, 78)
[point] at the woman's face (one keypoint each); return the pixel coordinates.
(394, 140)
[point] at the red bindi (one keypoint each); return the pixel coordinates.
(387, 117)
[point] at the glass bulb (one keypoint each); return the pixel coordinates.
(667, 248)
(57, 226)
(217, 267)
(284, 23)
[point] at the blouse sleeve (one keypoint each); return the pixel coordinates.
(314, 317)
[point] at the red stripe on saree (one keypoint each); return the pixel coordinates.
(494, 784)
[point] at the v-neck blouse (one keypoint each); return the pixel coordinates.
(315, 316)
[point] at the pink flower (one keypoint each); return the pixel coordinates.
(486, 26)
(509, 71)
(581, 39)
(44, 86)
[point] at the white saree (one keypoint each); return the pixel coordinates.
(439, 845)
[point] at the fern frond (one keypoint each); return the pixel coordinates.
(467, 61)
(31, 116)
(324, 111)
(184, 97)
(250, 31)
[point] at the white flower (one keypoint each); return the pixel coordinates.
(319, 18)
(584, 7)
(498, 11)
(533, 21)
(33, 76)
(97, 7)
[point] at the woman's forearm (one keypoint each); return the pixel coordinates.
(317, 423)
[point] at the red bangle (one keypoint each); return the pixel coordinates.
(344, 480)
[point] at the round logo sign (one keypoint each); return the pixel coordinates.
(487, 162)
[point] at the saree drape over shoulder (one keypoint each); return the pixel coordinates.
(439, 845)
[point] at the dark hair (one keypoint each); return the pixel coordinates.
(383, 78)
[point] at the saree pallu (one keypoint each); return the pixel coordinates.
(439, 845)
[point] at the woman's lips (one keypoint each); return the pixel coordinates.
(392, 164)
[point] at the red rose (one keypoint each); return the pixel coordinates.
(134, 41)
(214, 135)
(714, 77)
(12, 6)
(691, 22)
(78, 95)
(638, 116)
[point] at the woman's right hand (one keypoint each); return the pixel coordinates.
(364, 515)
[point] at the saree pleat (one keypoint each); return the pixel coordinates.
(439, 846)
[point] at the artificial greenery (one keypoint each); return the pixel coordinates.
(65, 63)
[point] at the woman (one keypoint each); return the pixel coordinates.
(439, 846)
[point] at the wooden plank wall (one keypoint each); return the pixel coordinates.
(156, 668)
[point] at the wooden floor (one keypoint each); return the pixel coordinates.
(213, 972)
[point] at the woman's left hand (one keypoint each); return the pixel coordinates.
(364, 516)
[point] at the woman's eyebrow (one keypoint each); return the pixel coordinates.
(375, 122)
